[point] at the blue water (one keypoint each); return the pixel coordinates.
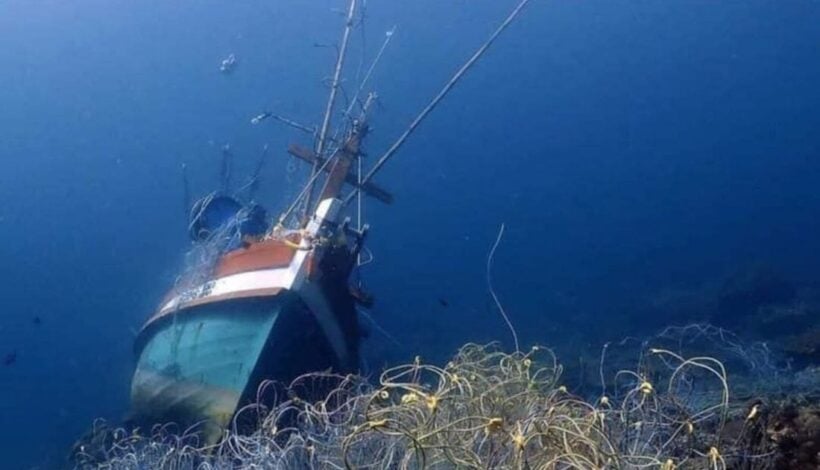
(629, 147)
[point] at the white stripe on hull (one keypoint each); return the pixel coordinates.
(281, 278)
(294, 277)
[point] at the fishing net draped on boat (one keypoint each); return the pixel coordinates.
(218, 224)
(483, 409)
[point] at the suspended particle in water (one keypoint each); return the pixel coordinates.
(228, 64)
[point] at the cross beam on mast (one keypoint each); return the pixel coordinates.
(437, 99)
(370, 189)
(358, 132)
(344, 159)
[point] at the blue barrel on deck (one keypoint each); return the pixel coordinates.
(212, 214)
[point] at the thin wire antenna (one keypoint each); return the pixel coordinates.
(388, 36)
(440, 96)
(492, 291)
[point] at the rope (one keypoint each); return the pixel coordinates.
(492, 291)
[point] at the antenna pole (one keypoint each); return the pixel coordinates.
(444, 91)
(331, 102)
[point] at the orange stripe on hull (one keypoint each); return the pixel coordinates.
(261, 255)
(243, 294)
(266, 254)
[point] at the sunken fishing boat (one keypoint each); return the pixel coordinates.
(276, 298)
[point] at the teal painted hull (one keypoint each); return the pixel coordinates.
(201, 364)
(197, 365)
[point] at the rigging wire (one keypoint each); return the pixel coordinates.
(355, 100)
(437, 99)
(378, 327)
(252, 183)
(341, 129)
(308, 187)
(363, 48)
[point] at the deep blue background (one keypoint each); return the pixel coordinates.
(628, 146)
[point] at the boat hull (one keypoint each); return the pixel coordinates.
(273, 310)
(201, 364)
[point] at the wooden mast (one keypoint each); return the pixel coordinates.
(340, 171)
(331, 102)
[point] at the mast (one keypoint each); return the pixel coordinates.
(339, 174)
(331, 103)
(362, 182)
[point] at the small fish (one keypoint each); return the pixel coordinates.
(443, 302)
(10, 358)
(37, 321)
